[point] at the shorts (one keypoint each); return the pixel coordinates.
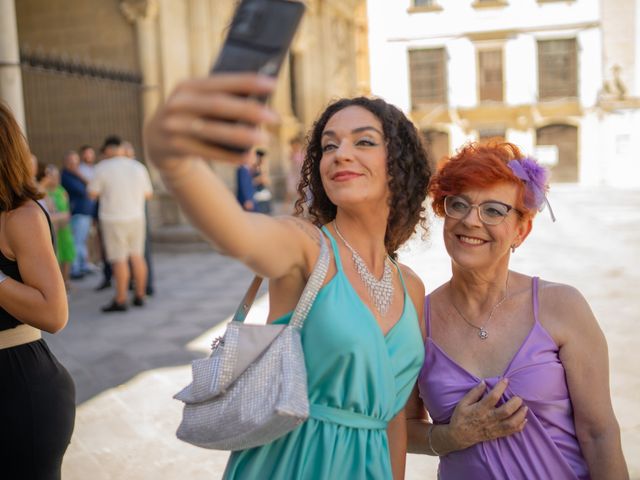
(123, 238)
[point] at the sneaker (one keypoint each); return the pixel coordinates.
(76, 276)
(103, 286)
(115, 307)
(138, 301)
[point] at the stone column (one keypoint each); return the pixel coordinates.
(363, 81)
(10, 74)
(143, 14)
(282, 133)
(163, 209)
(200, 37)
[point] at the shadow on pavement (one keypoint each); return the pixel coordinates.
(193, 293)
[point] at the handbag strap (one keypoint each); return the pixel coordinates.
(312, 287)
(308, 294)
(247, 300)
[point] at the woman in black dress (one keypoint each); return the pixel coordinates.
(37, 395)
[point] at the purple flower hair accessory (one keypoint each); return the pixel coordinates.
(535, 178)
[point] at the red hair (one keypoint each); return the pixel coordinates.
(477, 166)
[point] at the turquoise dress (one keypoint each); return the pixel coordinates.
(358, 378)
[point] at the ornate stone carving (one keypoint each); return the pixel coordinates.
(135, 10)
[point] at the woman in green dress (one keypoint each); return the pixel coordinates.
(58, 205)
(364, 180)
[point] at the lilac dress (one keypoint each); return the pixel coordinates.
(546, 448)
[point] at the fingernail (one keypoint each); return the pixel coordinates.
(505, 381)
(266, 81)
(269, 116)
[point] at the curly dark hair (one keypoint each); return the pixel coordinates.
(408, 169)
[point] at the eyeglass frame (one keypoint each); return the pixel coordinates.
(478, 205)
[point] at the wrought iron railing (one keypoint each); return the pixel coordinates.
(70, 102)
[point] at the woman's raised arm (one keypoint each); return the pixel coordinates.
(198, 117)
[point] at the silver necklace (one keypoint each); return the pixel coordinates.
(380, 291)
(482, 331)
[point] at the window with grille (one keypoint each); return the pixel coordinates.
(490, 75)
(493, 133)
(424, 3)
(557, 68)
(427, 71)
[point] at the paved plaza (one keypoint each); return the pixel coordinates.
(128, 366)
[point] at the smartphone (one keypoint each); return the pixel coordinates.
(258, 40)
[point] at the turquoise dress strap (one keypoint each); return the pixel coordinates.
(404, 286)
(334, 247)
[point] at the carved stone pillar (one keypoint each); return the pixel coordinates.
(10, 74)
(143, 14)
(163, 209)
(200, 37)
(282, 133)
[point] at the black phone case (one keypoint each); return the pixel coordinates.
(258, 39)
(259, 36)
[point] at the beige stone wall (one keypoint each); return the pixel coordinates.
(173, 42)
(170, 40)
(89, 29)
(619, 43)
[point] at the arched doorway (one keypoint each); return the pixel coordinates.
(565, 138)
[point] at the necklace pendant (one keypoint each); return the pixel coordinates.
(483, 334)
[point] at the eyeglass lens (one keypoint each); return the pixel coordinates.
(491, 213)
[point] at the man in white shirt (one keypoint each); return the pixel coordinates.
(123, 185)
(87, 162)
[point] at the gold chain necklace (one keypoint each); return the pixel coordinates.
(482, 331)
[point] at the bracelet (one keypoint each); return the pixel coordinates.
(430, 438)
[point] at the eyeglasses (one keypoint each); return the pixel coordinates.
(490, 213)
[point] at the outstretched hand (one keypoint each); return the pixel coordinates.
(202, 114)
(476, 418)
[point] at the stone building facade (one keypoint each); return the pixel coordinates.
(558, 78)
(77, 70)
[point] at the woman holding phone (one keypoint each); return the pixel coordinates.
(367, 174)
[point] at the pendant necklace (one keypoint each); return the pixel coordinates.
(482, 331)
(380, 291)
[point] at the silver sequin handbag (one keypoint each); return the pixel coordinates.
(252, 389)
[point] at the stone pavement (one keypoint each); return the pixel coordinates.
(128, 366)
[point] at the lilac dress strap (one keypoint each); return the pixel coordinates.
(427, 315)
(534, 280)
